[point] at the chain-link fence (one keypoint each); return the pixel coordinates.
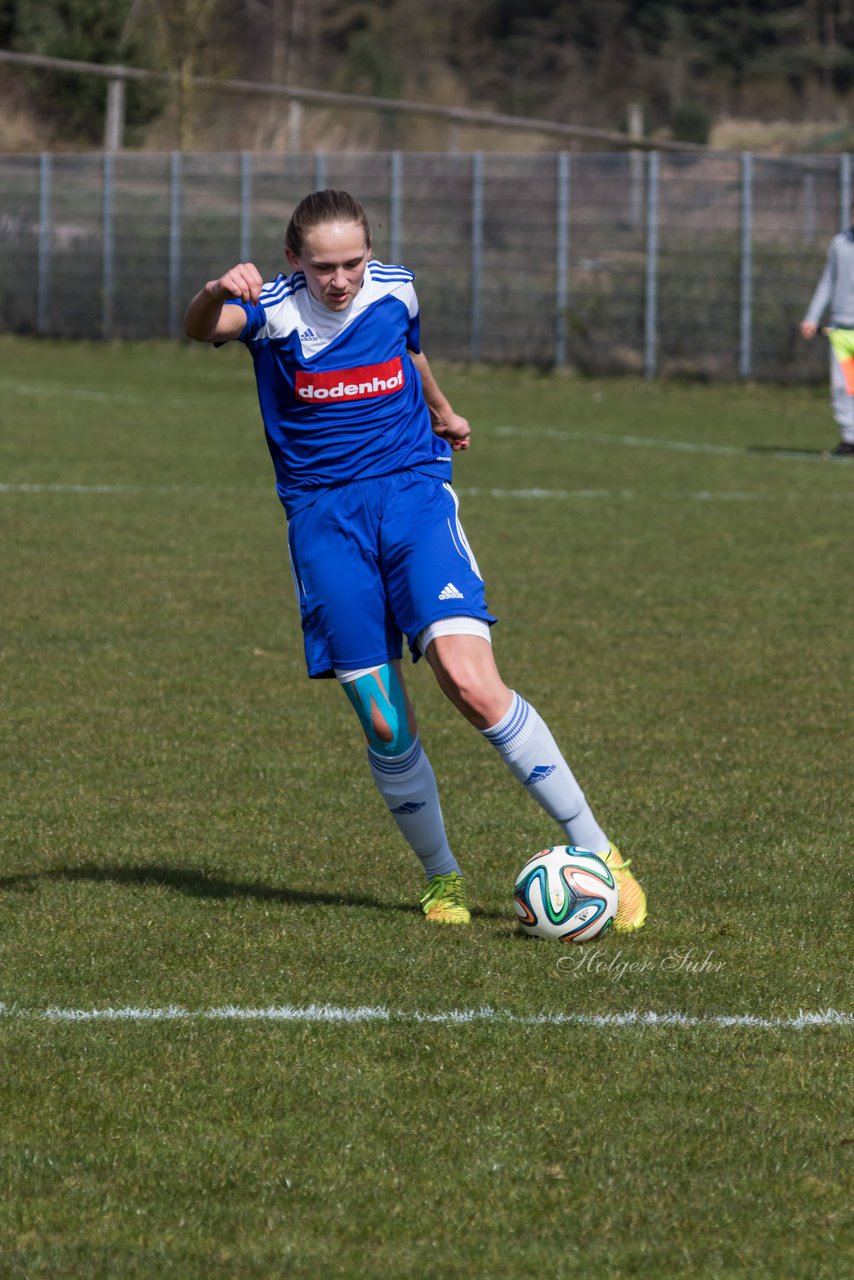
(609, 263)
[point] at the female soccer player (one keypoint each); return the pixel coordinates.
(361, 438)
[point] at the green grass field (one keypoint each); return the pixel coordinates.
(231, 1047)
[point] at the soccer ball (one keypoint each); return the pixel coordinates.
(566, 893)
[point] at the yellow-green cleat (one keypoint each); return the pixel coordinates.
(631, 912)
(445, 901)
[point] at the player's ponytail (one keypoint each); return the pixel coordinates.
(321, 207)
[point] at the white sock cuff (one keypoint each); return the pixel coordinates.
(397, 768)
(515, 728)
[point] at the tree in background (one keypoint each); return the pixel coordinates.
(279, 39)
(556, 58)
(8, 22)
(88, 31)
(577, 61)
(765, 58)
(190, 38)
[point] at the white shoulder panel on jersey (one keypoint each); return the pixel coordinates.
(283, 286)
(397, 280)
(383, 270)
(285, 301)
(289, 306)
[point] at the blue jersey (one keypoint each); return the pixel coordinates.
(340, 396)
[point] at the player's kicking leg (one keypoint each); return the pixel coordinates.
(466, 671)
(405, 779)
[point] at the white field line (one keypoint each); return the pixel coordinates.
(98, 395)
(612, 495)
(325, 1013)
(96, 489)
(42, 390)
(533, 495)
(646, 442)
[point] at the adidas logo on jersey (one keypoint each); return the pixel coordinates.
(538, 774)
(308, 335)
(450, 592)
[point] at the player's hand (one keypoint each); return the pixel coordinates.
(808, 330)
(454, 429)
(242, 282)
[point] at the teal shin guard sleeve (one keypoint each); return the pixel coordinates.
(381, 690)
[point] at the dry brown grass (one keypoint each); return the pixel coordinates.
(778, 137)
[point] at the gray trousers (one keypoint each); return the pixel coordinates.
(841, 402)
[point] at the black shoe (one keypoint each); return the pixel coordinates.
(845, 449)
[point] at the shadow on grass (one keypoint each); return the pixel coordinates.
(781, 451)
(202, 884)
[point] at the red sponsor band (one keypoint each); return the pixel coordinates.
(350, 384)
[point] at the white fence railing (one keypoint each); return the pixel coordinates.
(117, 77)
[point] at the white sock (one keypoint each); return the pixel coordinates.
(527, 747)
(408, 786)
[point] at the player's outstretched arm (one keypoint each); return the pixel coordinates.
(208, 319)
(446, 423)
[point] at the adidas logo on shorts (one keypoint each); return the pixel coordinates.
(450, 592)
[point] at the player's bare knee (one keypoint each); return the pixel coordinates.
(465, 668)
(464, 684)
(462, 687)
(384, 731)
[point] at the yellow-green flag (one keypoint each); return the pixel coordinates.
(842, 341)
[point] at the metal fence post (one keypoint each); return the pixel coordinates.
(114, 121)
(844, 191)
(43, 292)
(174, 243)
(476, 315)
(562, 259)
(395, 206)
(51, 223)
(650, 357)
(245, 206)
(107, 248)
(745, 363)
(809, 208)
(294, 125)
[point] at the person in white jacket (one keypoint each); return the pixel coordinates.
(835, 291)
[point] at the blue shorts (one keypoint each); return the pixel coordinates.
(376, 560)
